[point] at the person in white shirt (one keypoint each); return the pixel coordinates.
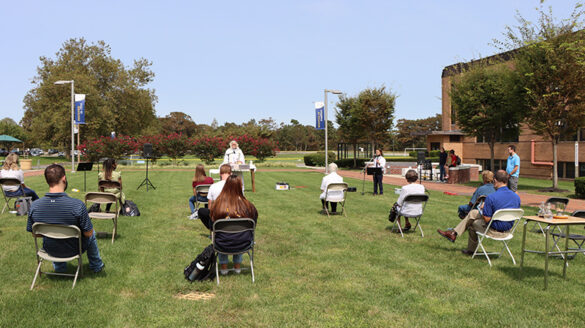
(379, 161)
(225, 170)
(332, 177)
(11, 169)
(412, 188)
(234, 155)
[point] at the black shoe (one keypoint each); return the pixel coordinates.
(467, 252)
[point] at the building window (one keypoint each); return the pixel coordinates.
(500, 164)
(506, 134)
(454, 138)
(566, 170)
(435, 146)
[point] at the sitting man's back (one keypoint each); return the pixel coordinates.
(58, 208)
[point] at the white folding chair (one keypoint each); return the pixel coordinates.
(104, 198)
(336, 193)
(414, 199)
(201, 190)
(56, 231)
(10, 182)
(505, 215)
(233, 226)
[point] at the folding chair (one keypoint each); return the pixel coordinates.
(336, 193)
(552, 201)
(506, 215)
(10, 182)
(233, 226)
(107, 184)
(415, 199)
(104, 198)
(578, 239)
(56, 231)
(201, 190)
(476, 205)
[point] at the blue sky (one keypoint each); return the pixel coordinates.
(238, 60)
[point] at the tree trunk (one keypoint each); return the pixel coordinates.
(354, 155)
(555, 166)
(492, 161)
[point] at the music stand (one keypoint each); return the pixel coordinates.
(373, 170)
(146, 180)
(85, 166)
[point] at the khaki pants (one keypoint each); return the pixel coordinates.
(474, 222)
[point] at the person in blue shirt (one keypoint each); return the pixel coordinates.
(513, 168)
(485, 189)
(476, 221)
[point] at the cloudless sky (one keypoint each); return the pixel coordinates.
(238, 60)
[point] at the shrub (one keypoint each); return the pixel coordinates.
(318, 159)
(348, 162)
(580, 187)
(175, 145)
(207, 149)
(94, 149)
(434, 153)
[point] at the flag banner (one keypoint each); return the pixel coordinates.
(319, 115)
(79, 109)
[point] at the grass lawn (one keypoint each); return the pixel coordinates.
(532, 186)
(310, 270)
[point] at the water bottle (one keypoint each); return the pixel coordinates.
(198, 268)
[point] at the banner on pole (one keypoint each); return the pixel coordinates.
(319, 115)
(79, 109)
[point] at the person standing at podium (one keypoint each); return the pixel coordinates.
(379, 162)
(234, 155)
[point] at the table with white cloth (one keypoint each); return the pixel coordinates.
(240, 168)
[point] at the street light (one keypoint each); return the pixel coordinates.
(72, 120)
(335, 92)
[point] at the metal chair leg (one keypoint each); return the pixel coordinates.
(36, 275)
(216, 269)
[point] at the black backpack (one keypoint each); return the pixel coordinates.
(129, 209)
(203, 267)
(458, 161)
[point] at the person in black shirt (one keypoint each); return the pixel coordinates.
(442, 163)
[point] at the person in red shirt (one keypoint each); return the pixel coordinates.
(199, 179)
(452, 158)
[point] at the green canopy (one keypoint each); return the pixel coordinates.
(5, 138)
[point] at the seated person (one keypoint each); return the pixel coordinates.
(231, 203)
(225, 170)
(412, 188)
(476, 221)
(485, 189)
(11, 169)
(332, 177)
(199, 179)
(58, 208)
(110, 174)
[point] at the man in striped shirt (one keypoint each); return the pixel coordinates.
(58, 208)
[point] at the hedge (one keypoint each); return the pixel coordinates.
(580, 187)
(318, 159)
(432, 153)
(348, 162)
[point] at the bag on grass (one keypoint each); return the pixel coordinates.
(129, 209)
(203, 267)
(95, 207)
(393, 213)
(22, 205)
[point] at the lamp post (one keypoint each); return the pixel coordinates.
(335, 92)
(72, 120)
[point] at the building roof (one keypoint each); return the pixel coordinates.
(458, 68)
(439, 133)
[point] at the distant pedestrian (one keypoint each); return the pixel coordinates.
(513, 168)
(442, 163)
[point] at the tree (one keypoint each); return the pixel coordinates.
(551, 60)
(9, 127)
(409, 133)
(178, 122)
(368, 116)
(488, 102)
(116, 100)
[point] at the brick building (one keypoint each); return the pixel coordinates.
(535, 152)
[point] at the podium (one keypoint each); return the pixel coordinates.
(373, 170)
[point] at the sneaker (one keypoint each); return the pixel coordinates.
(223, 272)
(100, 269)
(238, 270)
(194, 216)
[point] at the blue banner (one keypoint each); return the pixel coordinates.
(79, 109)
(319, 116)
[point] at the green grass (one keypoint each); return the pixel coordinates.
(310, 270)
(533, 185)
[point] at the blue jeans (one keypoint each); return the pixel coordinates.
(27, 192)
(441, 172)
(464, 210)
(93, 255)
(223, 259)
(193, 199)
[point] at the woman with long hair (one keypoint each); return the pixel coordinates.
(11, 169)
(109, 173)
(200, 178)
(232, 203)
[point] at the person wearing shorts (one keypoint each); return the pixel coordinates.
(513, 168)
